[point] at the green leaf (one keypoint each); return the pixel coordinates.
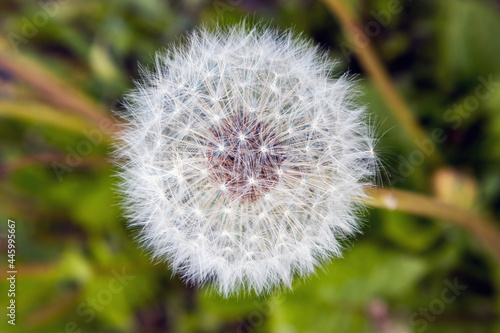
(336, 300)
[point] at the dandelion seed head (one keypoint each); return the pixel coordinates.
(243, 161)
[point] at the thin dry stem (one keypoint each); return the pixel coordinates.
(376, 70)
(44, 114)
(52, 88)
(485, 230)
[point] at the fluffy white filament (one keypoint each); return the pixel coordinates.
(242, 160)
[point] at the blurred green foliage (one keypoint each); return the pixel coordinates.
(72, 240)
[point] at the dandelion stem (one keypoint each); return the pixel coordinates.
(376, 70)
(485, 230)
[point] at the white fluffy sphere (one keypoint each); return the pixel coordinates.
(242, 160)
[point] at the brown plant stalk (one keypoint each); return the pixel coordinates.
(50, 87)
(484, 229)
(371, 63)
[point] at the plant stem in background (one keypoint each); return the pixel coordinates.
(44, 114)
(375, 69)
(485, 230)
(49, 86)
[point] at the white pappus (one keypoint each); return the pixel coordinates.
(242, 160)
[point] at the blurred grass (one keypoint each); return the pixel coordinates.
(72, 238)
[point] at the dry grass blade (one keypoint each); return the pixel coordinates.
(52, 88)
(29, 111)
(376, 70)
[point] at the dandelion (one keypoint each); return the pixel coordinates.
(243, 161)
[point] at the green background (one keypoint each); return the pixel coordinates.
(72, 241)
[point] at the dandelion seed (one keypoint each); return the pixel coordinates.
(244, 198)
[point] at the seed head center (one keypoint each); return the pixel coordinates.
(247, 167)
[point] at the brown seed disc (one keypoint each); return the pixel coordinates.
(244, 157)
